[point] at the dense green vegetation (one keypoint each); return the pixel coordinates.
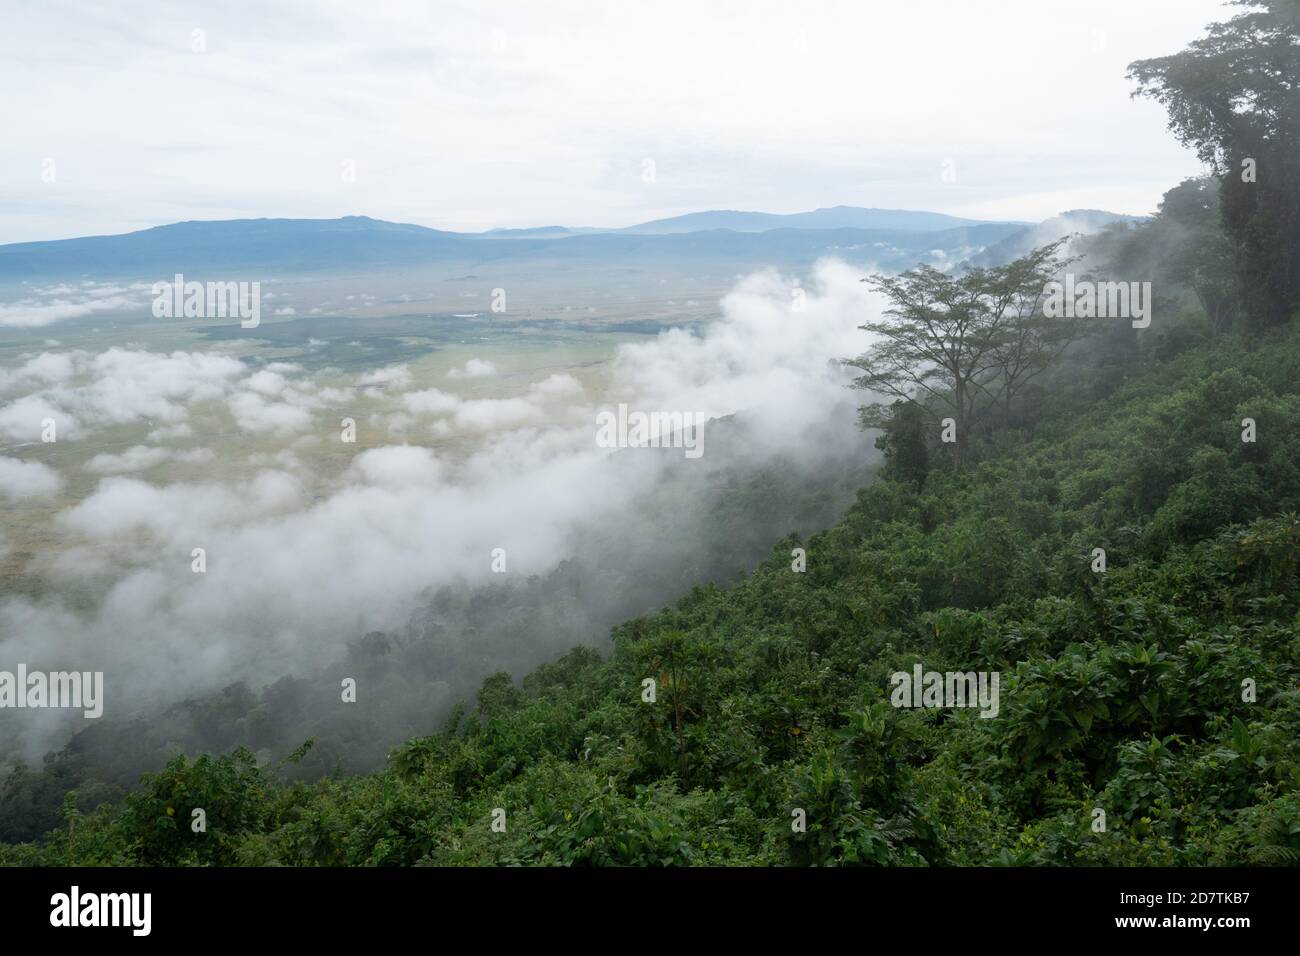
(1121, 690)
(1233, 97)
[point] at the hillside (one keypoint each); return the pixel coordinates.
(1125, 692)
(1071, 222)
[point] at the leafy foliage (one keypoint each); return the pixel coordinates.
(1233, 96)
(1121, 690)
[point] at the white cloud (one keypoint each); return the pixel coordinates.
(30, 313)
(334, 396)
(557, 386)
(23, 420)
(398, 376)
(430, 400)
(80, 390)
(254, 413)
(474, 368)
(268, 383)
(24, 479)
(48, 368)
(122, 504)
(137, 458)
(131, 385)
(398, 466)
(490, 413)
(143, 457)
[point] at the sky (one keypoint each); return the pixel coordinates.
(470, 116)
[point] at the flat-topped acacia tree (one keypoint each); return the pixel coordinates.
(961, 345)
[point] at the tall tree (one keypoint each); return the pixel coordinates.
(1234, 96)
(1197, 252)
(958, 344)
(1025, 341)
(903, 440)
(931, 346)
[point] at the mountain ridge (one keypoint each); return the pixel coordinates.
(283, 244)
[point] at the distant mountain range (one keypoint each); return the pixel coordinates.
(891, 238)
(837, 217)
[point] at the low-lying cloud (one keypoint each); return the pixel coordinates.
(298, 565)
(45, 306)
(27, 479)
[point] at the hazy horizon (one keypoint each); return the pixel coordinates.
(577, 226)
(473, 117)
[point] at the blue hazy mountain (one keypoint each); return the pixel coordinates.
(275, 246)
(837, 217)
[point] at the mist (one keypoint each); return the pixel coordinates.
(414, 572)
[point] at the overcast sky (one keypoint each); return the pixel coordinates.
(482, 114)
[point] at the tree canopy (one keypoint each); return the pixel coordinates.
(1234, 96)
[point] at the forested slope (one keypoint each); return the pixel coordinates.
(1164, 691)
